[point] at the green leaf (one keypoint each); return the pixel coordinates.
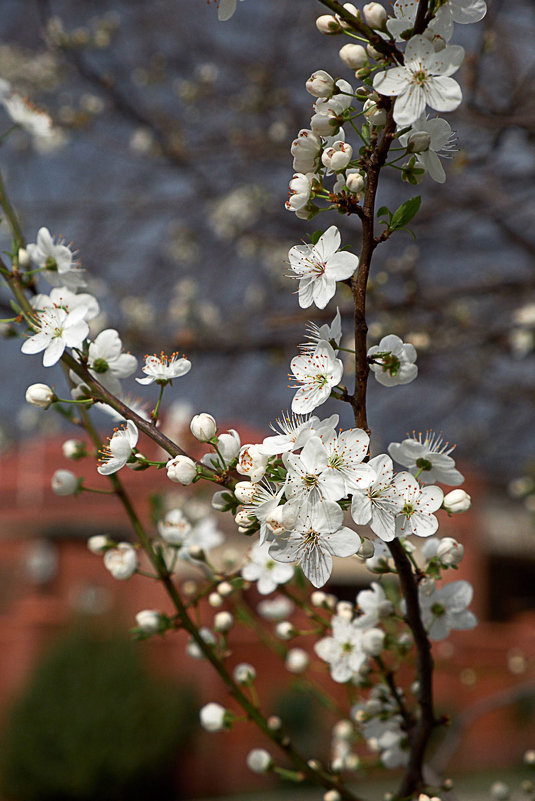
(384, 212)
(314, 237)
(405, 213)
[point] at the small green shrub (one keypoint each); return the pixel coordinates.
(91, 724)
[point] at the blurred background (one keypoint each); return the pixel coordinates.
(169, 172)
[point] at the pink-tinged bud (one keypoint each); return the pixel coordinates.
(354, 56)
(148, 621)
(328, 25)
(457, 501)
(203, 427)
(40, 395)
(181, 470)
(337, 157)
(374, 14)
(64, 483)
(320, 84)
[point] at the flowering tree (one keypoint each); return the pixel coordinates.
(306, 492)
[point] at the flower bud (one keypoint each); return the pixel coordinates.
(23, 259)
(373, 53)
(374, 115)
(259, 760)
(223, 622)
(332, 795)
(213, 717)
(500, 791)
(296, 660)
(450, 552)
(121, 561)
(354, 56)
(367, 549)
(324, 125)
(64, 483)
(181, 470)
(374, 15)
(337, 157)
(222, 501)
(345, 609)
(355, 182)
(149, 621)
(328, 24)
(275, 723)
(244, 673)
(418, 142)
(457, 501)
(352, 10)
(285, 630)
(98, 544)
(320, 84)
(203, 427)
(373, 641)
(225, 589)
(244, 491)
(74, 449)
(40, 395)
(215, 600)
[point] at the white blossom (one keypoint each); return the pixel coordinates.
(416, 516)
(310, 479)
(121, 561)
(228, 448)
(343, 650)
(107, 362)
(346, 453)
(439, 135)
(424, 79)
(445, 609)
(337, 157)
(317, 537)
(252, 462)
(263, 569)
(296, 430)
(56, 330)
(428, 456)
(393, 361)
(318, 267)
(35, 121)
(380, 502)
(316, 374)
(163, 369)
(374, 606)
(56, 260)
(117, 453)
(62, 297)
